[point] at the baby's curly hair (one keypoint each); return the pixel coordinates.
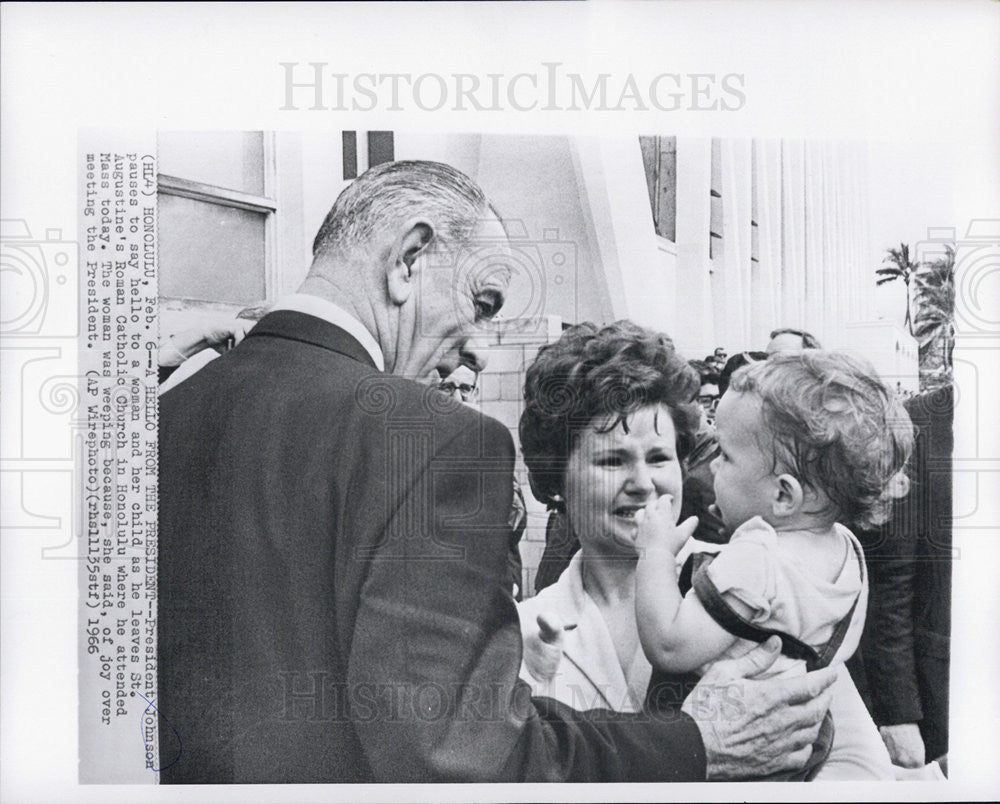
(836, 427)
(592, 373)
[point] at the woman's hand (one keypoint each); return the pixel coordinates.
(657, 529)
(543, 650)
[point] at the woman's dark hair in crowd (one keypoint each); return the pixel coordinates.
(737, 361)
(706, 374)
(595, 374)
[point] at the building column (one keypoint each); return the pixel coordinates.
(695, 320)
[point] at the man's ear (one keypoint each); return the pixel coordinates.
(414, 238)
(788, 496)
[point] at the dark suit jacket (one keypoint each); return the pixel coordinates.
(905, 649)
(333, 597)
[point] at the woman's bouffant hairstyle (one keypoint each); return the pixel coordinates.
(599, 373)
(836, 427)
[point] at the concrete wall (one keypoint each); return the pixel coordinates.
(533, 183)
(501, 396)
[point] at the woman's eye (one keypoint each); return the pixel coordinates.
(610, 461)
(660, 457)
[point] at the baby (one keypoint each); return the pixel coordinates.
(809, 441)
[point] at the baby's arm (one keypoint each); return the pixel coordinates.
(677, 634)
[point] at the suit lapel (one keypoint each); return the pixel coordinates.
(304, 328)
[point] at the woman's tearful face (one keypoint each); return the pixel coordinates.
(613, 474)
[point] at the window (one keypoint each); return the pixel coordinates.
(376, 147)
(216, 217)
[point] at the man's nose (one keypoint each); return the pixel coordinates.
(472, 353)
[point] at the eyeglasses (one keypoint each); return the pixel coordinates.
(464, 389)
(708, 401)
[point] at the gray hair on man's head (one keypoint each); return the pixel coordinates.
(393, 192)
(809, 341)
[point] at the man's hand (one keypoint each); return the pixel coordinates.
(217, 335)
(754, 728)
(178, 347)
(906, 746)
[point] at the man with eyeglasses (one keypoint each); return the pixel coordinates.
(708, 396)
(462, 384)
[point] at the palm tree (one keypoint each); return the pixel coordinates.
(900, 267)
(934, 299)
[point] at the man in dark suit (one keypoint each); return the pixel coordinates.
(334, 538)
(906, 647)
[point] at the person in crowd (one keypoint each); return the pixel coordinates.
(609, 417)
(698, 492)
(787, 339)
(905, 649)
(332, 576)
(708, 392)
(808, 440)
(716, 360)
(737, 361)
(463, 386)
(560, 542)
(182, 354)
(560, 546)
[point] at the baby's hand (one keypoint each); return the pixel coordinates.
(657, 528)
(543, 650)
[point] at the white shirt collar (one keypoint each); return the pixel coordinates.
(336, 315)
(590, 646)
